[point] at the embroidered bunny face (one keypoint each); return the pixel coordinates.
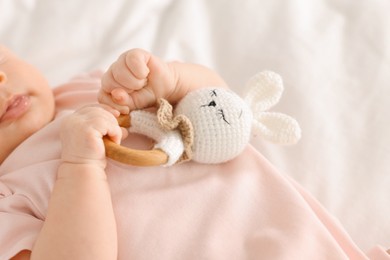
(221, 121)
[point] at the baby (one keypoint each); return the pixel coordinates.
(135, 81)
(60, 198)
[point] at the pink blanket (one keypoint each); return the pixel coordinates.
(243, 209)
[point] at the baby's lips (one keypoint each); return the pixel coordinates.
(15, 107)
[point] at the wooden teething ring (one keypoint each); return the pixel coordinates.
(130, 156)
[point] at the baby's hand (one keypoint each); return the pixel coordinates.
(136, 80)
(82, 132)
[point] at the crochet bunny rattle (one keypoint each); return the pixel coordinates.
(208, 125)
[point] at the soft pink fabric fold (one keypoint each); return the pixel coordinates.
(243, 209)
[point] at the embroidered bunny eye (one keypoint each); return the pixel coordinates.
(211, 104)
(213, 93)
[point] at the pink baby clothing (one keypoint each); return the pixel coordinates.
(242, 209)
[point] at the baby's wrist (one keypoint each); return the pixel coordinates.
(73, 170)
(174, 78)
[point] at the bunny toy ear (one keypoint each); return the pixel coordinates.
(277, 127)
(263, 91)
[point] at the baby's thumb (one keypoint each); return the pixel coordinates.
(121, 100)
(142, 98)
(125, 133)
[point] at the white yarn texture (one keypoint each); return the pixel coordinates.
(264, 91)
(222, 123)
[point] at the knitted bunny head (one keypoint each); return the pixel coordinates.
(223, 122)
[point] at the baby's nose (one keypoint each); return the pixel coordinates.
(3, 78)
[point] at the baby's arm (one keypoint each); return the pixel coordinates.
(80, 222)
(138, 79)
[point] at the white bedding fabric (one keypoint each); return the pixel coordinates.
(334, 57)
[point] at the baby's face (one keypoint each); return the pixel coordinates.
(26, 101)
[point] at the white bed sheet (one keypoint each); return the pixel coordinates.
(334, 57)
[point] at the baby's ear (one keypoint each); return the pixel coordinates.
(263, 91)
(277, 127)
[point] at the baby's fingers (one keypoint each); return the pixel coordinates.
(107, 99)
(125, 133)
(113, 111)
(143, 98)
(136, 61)
(124, 75)
(103, 119)
(119, 76)
(120, 96)
(115, 132)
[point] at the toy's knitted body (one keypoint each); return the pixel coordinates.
(170, 141)
(213, 125)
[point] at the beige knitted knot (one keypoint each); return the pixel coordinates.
(180, 122)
